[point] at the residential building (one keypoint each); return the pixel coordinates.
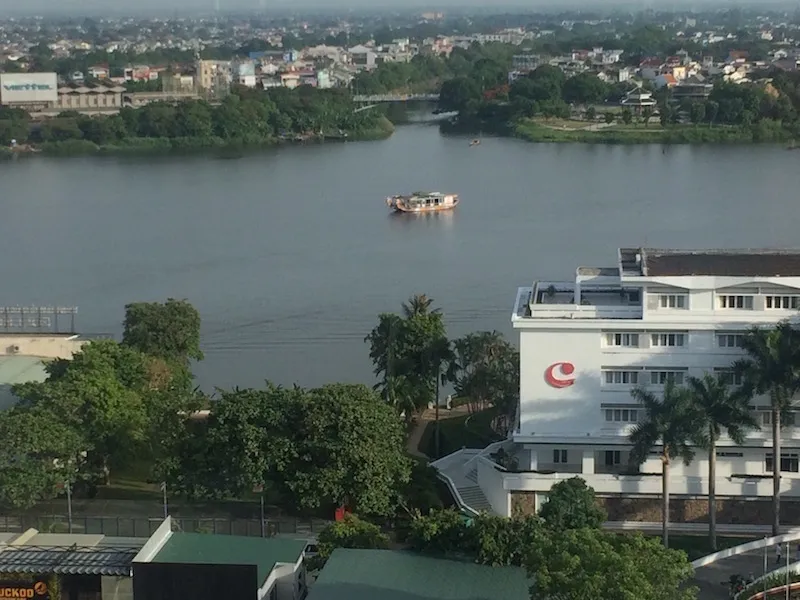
(639, 99)
(371, 574)
(362, 56)
(213, 77)
(585, 344)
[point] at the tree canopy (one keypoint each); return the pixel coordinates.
(318, 449)
(571, 504)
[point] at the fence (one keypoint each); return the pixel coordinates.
(145, 526)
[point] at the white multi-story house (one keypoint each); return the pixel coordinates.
(657, 315)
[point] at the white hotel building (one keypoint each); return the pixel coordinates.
(586, 343)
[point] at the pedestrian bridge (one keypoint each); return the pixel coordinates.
(376, 98)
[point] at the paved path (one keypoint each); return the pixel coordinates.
(713, 579)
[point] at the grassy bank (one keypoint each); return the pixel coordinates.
(236, 146)
(557, 132)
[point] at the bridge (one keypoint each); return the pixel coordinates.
(377, 98)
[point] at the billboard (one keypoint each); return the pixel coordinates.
(28, 88)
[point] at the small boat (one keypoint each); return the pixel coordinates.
(474, 143)
(422, 202)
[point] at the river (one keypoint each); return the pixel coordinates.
(290, 254)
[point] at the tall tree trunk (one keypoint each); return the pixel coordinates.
(712, 491)
(665, 498)
(776, 468)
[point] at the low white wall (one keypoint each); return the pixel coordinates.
(43, 346)
(650, 485)
(491, 482)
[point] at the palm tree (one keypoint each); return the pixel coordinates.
(772, 368)
(670, 422)
(719, 409)
(418, 304)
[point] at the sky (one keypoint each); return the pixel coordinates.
(100, 7)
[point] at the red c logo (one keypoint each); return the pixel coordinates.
(566, 368)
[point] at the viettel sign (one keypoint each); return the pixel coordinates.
(19, 589)
(559, 375)
(26, 87)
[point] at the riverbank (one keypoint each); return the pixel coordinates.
(180, 145)
(573, 131)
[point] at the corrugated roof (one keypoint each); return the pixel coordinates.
(18, 369)
(208, 549)
(393, 575)
(68, 560)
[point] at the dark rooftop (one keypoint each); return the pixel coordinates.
(209, 549)
(722, 263)
(68, 560)
(394, 575)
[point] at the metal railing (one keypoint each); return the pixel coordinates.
(145, 526)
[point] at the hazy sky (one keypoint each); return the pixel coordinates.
(99, 7)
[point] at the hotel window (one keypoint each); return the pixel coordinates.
(729, 377)
(729, 340)
(560, 456)
(622, 340)
(613, 458)
(736, 302)
(783, 302)
(621, 377)
(668, 339)
(673, 300)
(661, 377)
(622, 415)
(789, 463)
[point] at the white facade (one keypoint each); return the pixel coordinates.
(657, 315)
(20, 89)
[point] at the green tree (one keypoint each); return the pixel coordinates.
(486, 370)
(193, 119)
(584, 88)
(351, 532)
(408, 354)
(571, 504)
(670, 422)
(647, 114)
(456, 94)
(98, 394)
(609, 118)
(697, 112)
(591, 113)
(316, 449)
(169, 330)
(627, 115)
(712, 110)
(39, 452)
(719, 409)
(771, 369)
(588, 563)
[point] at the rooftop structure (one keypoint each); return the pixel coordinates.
(393, 575)
(197, 565)
(658, 315)
(18, 369)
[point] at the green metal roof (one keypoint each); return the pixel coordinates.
(210, 549)
(394, 575)
(18, 369)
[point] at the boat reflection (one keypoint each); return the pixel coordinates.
(416, 219)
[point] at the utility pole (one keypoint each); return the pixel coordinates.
(164, 492)
(69, 506)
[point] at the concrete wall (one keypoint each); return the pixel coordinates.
(44, 346)
(289, 579)
(490, 479)
(116, 588)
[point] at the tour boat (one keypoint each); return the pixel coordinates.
(420, 202)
